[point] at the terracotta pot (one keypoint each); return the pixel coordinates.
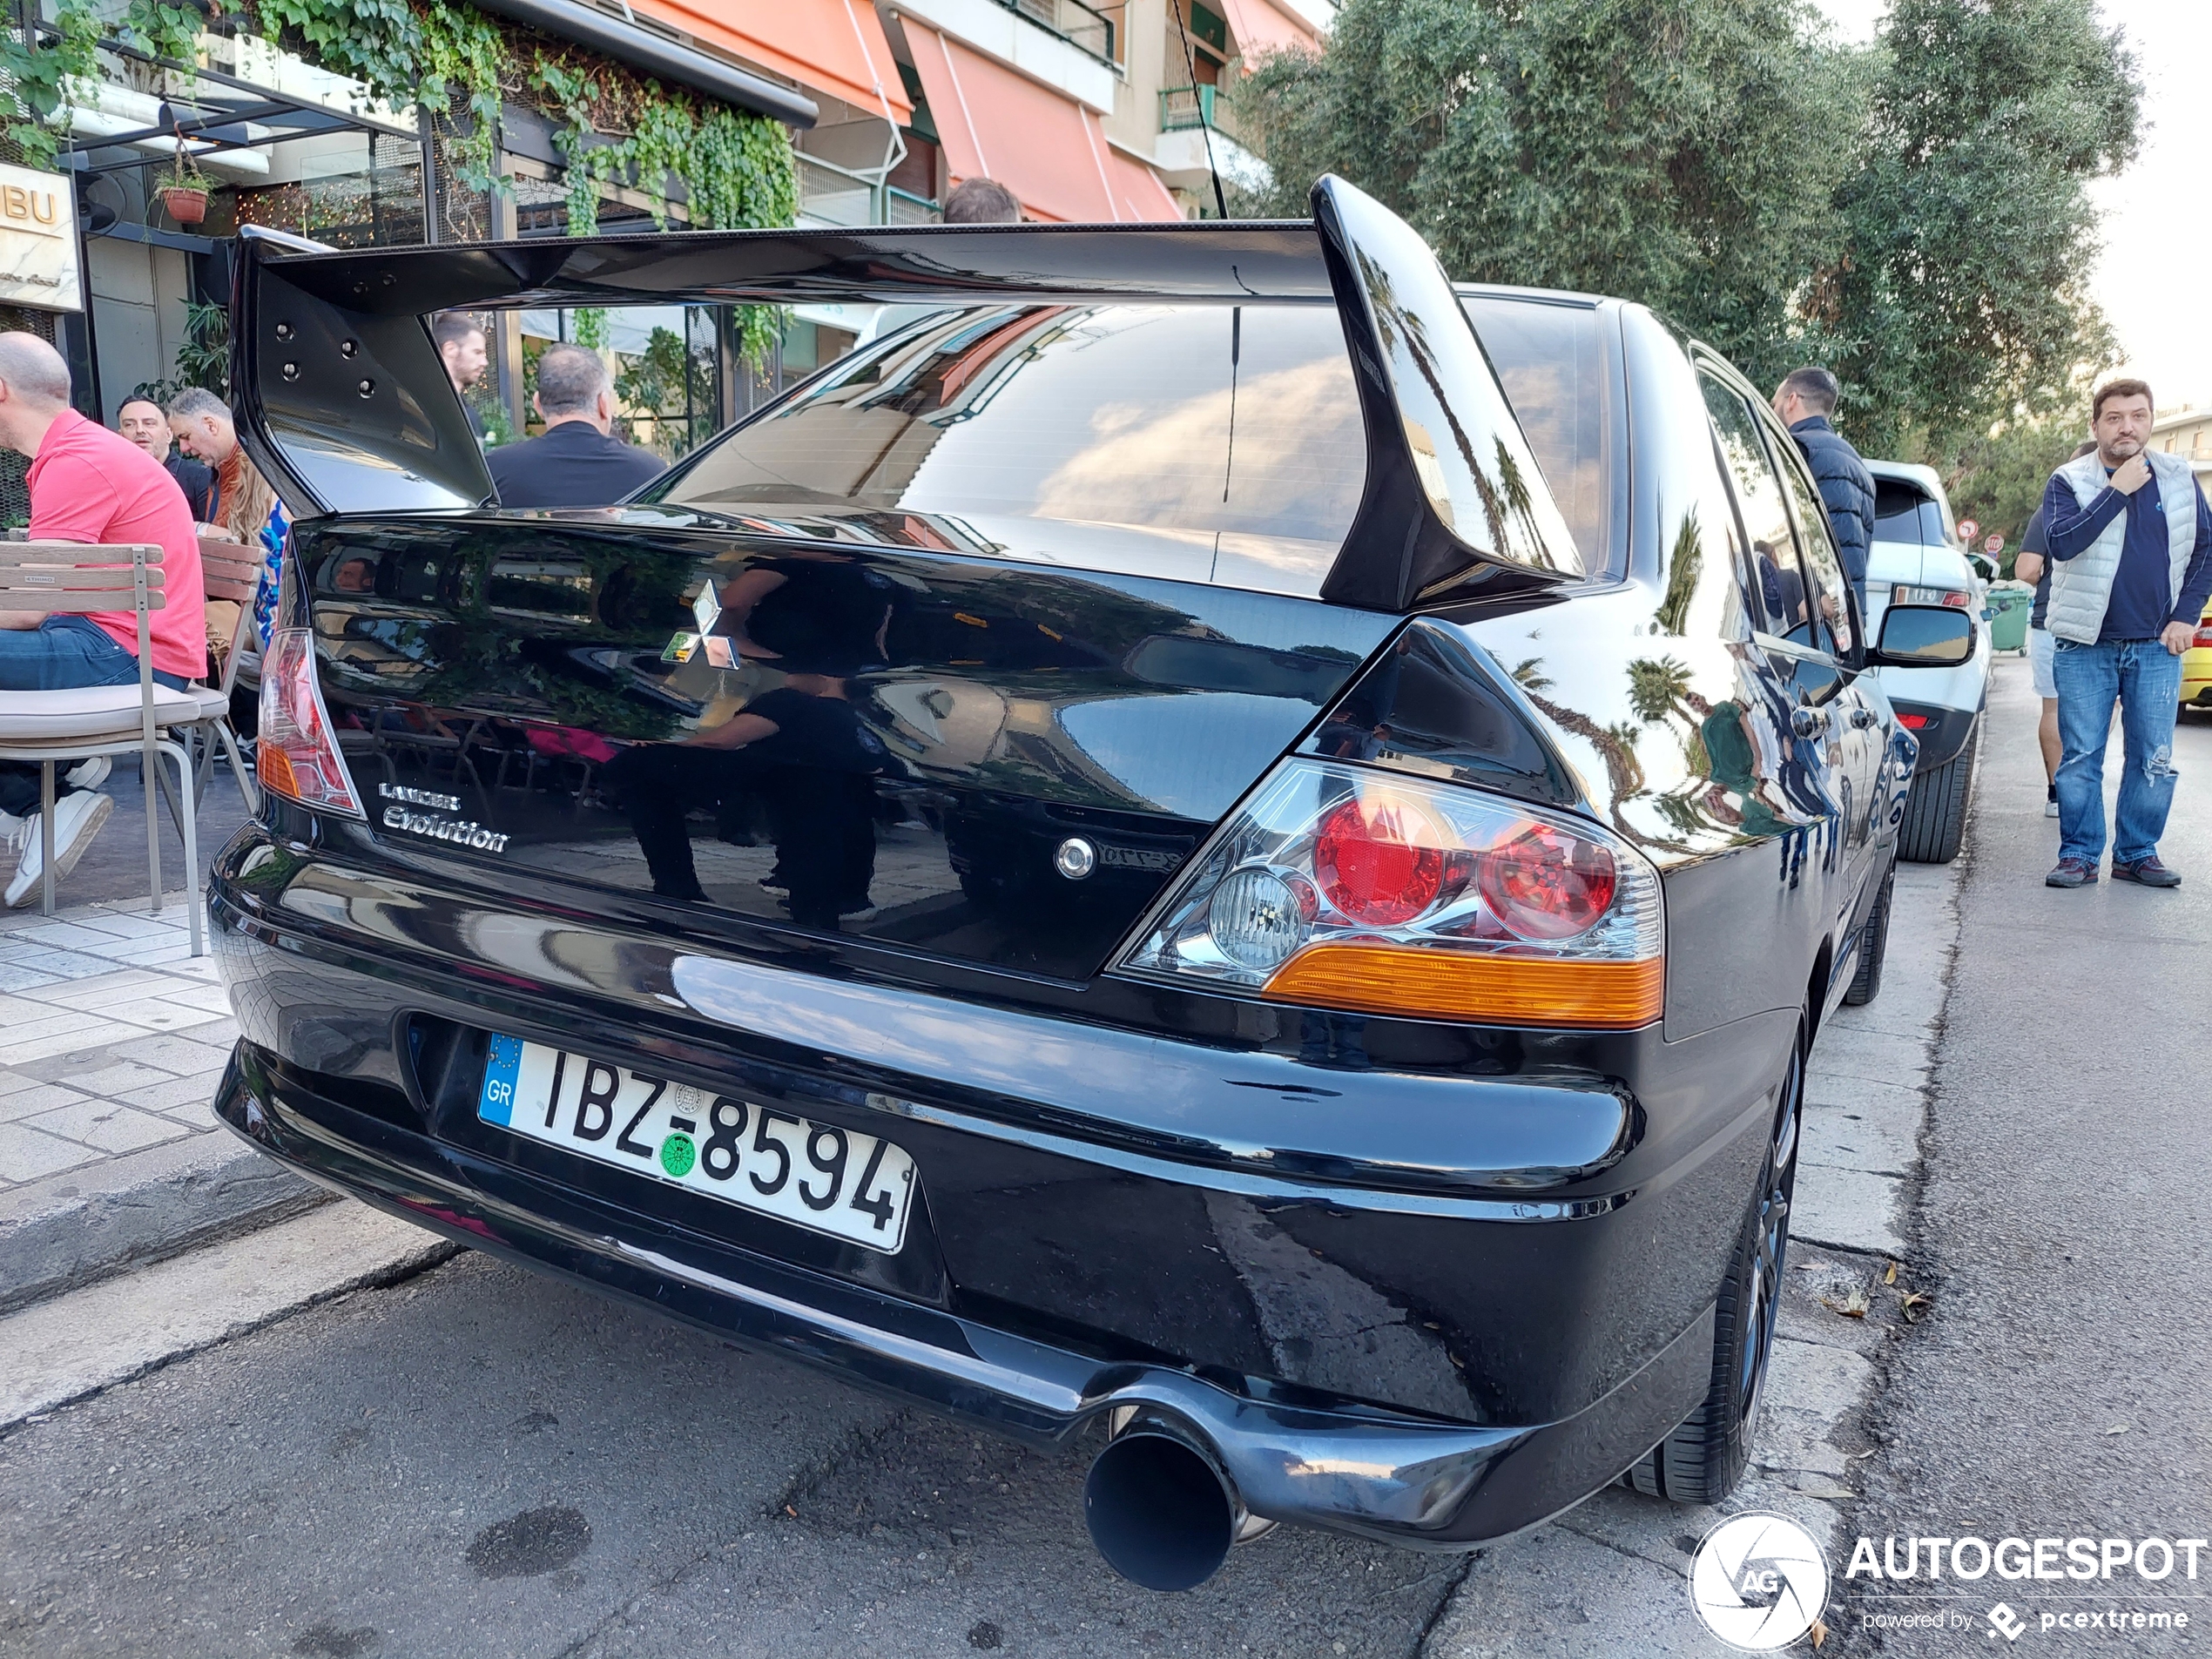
(186, 205)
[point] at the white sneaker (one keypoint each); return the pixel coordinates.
(76, 820)
(2050, 809)
(89, 775)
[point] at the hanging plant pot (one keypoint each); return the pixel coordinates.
(187, 203)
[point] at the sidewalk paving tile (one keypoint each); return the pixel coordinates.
(170, 1094)
(109, 1125)
(39, 1098)
(25, 1155)
(161, 1013)
(112, 1037)
(116, 1081)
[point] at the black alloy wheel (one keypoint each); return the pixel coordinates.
(1703, 1460)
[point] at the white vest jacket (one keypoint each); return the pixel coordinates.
(2081, 586)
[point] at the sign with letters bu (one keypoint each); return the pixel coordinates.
(38, 240)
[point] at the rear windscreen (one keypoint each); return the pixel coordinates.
(1210, 443)
(1904, 512)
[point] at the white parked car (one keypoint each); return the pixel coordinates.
(1916, 559)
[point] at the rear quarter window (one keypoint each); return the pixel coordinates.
(1905, 512)
(1552, 361)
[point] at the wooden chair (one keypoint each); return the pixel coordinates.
(229, 571)
(50, 727)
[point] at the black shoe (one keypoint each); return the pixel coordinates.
(2147, 872)
(2073, 872)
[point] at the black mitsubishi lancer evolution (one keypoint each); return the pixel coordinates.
(1209, 850)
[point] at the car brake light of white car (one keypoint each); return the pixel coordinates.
(296, 754)
(1910, 722)
(1336, 887)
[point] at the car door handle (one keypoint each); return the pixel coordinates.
(1808, 723)
(1863, 718)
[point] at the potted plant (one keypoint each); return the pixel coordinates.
(185, 194)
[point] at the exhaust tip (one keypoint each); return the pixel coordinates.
(1157, 1511)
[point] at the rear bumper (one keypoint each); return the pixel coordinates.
(1942, 736)
(1426, 1283)
(1335, 1465)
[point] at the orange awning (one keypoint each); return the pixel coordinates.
(1141, 191)
(833, 46)
(1049, 151)
(1261, 29)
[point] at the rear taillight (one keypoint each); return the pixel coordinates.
(1910, 722)
(1341, 888)
(2204, 635)
(296, 754)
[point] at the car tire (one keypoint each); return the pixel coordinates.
(1701, 1461)
(1935, 812)
(1873, 943)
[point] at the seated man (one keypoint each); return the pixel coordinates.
(578, 461)
(87, 485)
(142, 421)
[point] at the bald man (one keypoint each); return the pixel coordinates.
(87, 485)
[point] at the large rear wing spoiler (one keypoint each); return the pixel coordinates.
(345, 405)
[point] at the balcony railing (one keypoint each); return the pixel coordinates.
(1184, 109)
(1079, 24)
(830, 194)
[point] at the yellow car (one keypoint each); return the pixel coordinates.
(2196, 665)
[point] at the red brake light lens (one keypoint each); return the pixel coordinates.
(1546, 885)
(296, 754)
(1910, 722)
(1340, 886)
(2204, 635)
(1377, 859)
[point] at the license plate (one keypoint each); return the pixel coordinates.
(835, 1181)
(1909, 596)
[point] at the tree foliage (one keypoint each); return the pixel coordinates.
(1915, 213)
(1677, 153)
(1962, 298)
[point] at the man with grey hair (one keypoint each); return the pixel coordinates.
(576, 461)
(91, 486)
(1804, 400)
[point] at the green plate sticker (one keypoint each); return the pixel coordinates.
(677, 1155)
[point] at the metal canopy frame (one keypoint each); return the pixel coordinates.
(221, 122)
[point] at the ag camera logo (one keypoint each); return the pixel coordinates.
(1759, 1582)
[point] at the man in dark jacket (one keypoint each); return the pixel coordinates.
(141, 420)
(576, 461)
(1804, 400)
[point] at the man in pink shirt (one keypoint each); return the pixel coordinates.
(87, 485)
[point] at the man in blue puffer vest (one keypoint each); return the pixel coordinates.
(1804, 400)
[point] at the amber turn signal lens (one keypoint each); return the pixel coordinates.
(273, 767)
(1478, 989)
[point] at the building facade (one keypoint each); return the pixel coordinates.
(554, 116)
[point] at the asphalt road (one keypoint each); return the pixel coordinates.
(2059, 1388)
(480, 1462)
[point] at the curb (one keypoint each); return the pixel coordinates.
(77, 1227)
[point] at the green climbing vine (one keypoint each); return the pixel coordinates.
(35, 76)
(733, 170)
(736, 169)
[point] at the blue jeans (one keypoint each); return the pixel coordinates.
(61, 654)
(2146, 678)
